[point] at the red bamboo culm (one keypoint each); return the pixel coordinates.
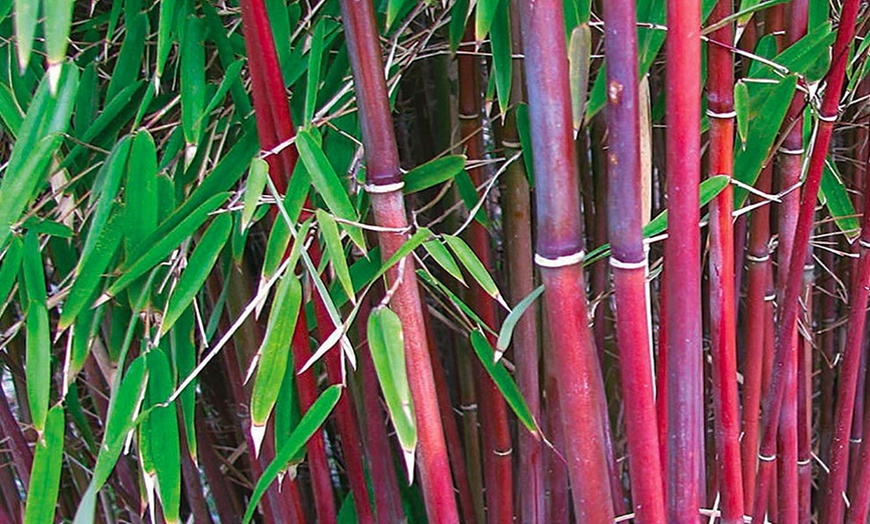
(682, 275)
(628, 261)
(559, 256)
(383, 181)
(723, 314)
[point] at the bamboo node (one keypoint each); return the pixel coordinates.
(512, 144)
(380, 189)
(721, 116)
(562, 261)
(787, 151)
(508, 452)
(828, 118)
(766, 458)
(753, 258)
(468, 407)
(468, 116)
(864, 243)
(804, 462)
(770, 298)
(856, 440)
(619, 264)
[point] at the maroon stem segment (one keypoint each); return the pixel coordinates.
(682, 267)
(628, 261)
(382, 171)
(723, 319)
(559, 255)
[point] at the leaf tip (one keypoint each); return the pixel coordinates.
(54, 70)
(258, 433)
(408, 455)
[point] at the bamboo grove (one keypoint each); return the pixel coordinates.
(337, 261)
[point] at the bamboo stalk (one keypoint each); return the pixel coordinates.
(682, 276)
(559, 256)
(521, 282)
(496, 440)
(720, 110)
(788, 319)
(383, 177)
(628, 261)
(758, 315)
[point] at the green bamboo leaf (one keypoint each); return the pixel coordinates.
(11, 263)
(45, 476)
(334, 249)
(483, 19)
(230, 77)
(58, 18)
(123, 411)
(410, 245)
(469, 196)
(274, 353)
(328, 184)
(444, 259)
(26, 14)
(9, 110)
(308, 426)
(84, 329)
(103, 124)
(165, 32)
(198, 268)
(129, 63)
(155, 253)
(276, 246)
(525, 133)
(160, 450)
(507, 329)
(394, 8)
(387, 347)
(38, 138)
(106, 188)
(315, 56)
(38, 351)
(502, 57)
(474, 266)
(433, 173)
(835, 197)
(47, 227)
(579, 58)
(89, 272)
(503, 381)
(192, 78)
(257, 175)
(142, 201)
(741, 107)
(458, 16)
(768, 106)
(183, 351)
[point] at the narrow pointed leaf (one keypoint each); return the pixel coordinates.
(274, 352)
(45, 477)
(579, 58)
(387, 347)
(433, 173)
(38, 138)
(484, 16)
(328, 184)
(159, 435)
(257, 175)
(164, 246)
(507, 328)
(37, 367)
(502, 56)
(503, 381)
(444, 259)
(315, 56)
(473, 265)
(308, 426)
(26, 14)
(58, 17)
(198, 268)
(332, 239)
